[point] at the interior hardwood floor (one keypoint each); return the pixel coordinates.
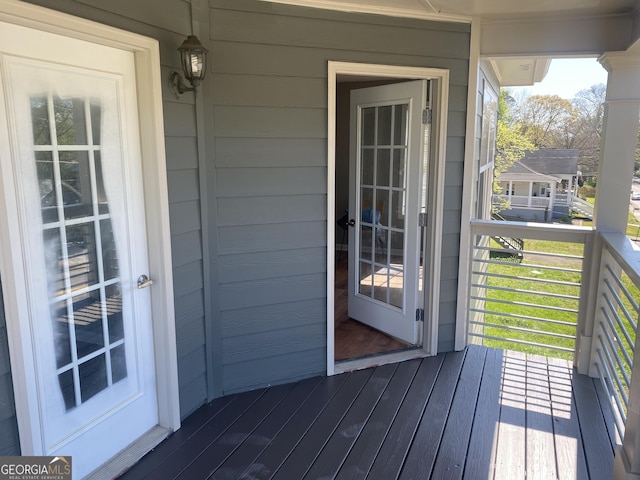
(352, 338)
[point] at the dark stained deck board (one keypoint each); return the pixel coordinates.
(298, 463)
(480, 461)
(197, 421)
(597, 445)
(217, 452)
(480, 413)
(452, 452)
(287, 439)
(337, 448)
(262, 436)
(392, 454)
(569, 452)
(185, 455)
(512, 427)
(363, 453)
(539, 438)
(424, 448)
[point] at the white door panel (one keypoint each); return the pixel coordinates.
(387, 139)
(74, 164)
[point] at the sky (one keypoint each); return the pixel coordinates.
(566, 77)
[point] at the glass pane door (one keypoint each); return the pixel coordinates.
(80, 251)
(382, 202)
(80, 233)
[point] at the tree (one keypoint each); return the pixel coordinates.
(549, 121)
(589, 104)
(511, 144)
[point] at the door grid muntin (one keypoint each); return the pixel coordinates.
(80, 252)
(382, 156)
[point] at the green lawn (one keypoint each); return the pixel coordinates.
(526, 296)
(533, 298)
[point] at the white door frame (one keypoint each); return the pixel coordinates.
(439, 106)
(151, 132)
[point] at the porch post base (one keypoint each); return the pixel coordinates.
(583, 355)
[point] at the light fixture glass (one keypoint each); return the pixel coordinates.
(194, 60)
(193, 57)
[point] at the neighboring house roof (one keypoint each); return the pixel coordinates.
(546, 164)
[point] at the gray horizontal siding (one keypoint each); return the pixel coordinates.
(294, 61)
(269, 108)
(265, 318)
(262, 372)
(270, 152)
(274, 122)
(169, 15)
(275, 264)
(256, 210)
(266, 28)
(128, 16)
(9, 439)
(272, 291)
(275, 237)
(261, 91)
(284, 341)
(256, 182)
(183, 182)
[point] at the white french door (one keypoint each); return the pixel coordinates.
(387, 143)
(72, 181)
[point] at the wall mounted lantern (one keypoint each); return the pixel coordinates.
(193, 57)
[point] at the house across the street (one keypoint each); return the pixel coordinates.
(539, 187)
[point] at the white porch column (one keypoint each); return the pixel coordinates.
(615, 174)
(615, 171)
(552, 200)
(570, 191)
(530, 194)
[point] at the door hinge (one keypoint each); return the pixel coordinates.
(419, 315)
(426, 116)
(422, 220)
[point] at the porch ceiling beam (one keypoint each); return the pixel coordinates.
(553, 37)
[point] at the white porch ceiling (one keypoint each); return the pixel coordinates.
(483, 9)
(519, 37)
(500, 9)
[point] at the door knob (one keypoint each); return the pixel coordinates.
(351, 223)
(144, 281)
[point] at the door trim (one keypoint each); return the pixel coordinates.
(436, 197)
(151, 132)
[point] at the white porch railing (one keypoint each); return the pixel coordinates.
(526, 298)
(523, 201)
(615, 328)
(582, 207)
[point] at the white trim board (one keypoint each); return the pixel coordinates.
(389, 11)
(147, 65)
(436, 189)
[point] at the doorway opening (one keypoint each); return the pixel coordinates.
(384, 156)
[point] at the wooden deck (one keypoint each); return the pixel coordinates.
(476, 414)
